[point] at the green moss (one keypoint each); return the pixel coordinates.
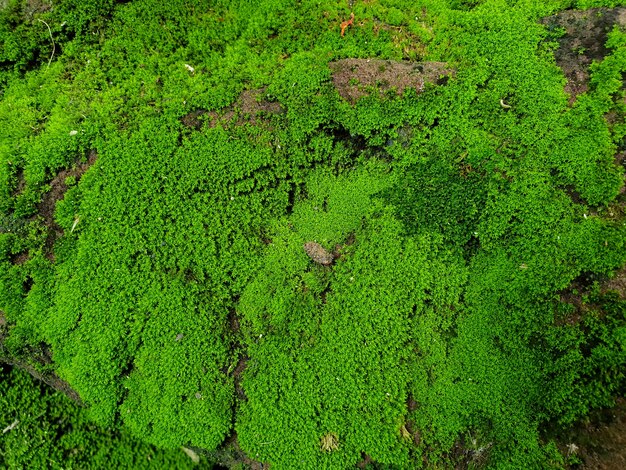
(457, 216)
(46, 430)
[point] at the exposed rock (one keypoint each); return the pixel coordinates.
(318, 254)
(583, 42)
(251, 107)
(355, 78)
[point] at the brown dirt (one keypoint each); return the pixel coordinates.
(366, 462)
(251, 107)
(19, 258)
(617, 284)
(42, 355)
(356, 78)
(585, 35)
(574, 293)
(573, 296)
(241, 366)
(21, 183)
(353, 78)
(194, 119)
(342, 250)
(233, 319)
(411, 404)
(251, 103)
(599, 442)
(31, 7)
(3, 328)
(57, 191)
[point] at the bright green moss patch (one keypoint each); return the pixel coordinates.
(330, 376)
(153, 229)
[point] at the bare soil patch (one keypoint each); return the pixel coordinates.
(600, 441)
(34, 7)
(353, 79)
(3, 328)
(237, 373)
(193, 120)
(19, 258)
(356, 78)
(617, 284)
(366, 461)
(252, 106)
(21, 183)
(583, 42)
(58, 187)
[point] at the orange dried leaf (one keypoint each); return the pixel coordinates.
(347, 23)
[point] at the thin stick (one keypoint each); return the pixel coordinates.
(11, 426)
(54, 48)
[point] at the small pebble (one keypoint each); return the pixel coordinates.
(318, 254)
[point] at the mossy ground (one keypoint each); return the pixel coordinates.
(41, 429)
(202, 144)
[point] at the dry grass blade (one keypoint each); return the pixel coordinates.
(329, 442)
(51, 39)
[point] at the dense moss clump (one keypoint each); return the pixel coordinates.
(210, 237)
(46, 430)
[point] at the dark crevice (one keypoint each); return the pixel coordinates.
(27, 284)
(127, 370)
(49, 378)
(291, 199)
(237, 350)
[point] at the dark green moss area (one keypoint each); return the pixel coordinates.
(163, 164)
(42, 429)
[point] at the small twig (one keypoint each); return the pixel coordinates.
(10, 427)
(54, 47)
(191, 454)
(76, 220)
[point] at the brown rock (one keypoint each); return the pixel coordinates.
(353, 77)
(318, 254)
(586, 33)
